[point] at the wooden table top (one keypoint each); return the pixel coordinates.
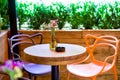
(42, 54)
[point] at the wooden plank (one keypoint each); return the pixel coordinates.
(102, 32)
(58, 34)
(3, 46)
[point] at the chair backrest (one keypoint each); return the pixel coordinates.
(38, 36)
(103, 41)
(20, 41)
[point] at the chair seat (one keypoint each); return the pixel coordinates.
(87, 70)
(37, 69)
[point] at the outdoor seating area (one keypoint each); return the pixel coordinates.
(59, 40)
(77, 39)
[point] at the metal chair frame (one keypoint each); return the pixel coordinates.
(19, 39)
(95, 67)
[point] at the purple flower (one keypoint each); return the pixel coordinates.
(10, 64)
(13, 68)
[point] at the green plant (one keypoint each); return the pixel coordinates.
(74, 17)
(13, 69)
(108, 15)
(89, 14)
(104, 16)
(61, 13)
(24, 11)
(1, 22)
(115, 14)
(40, 15)
(4, 14)
(43, 13)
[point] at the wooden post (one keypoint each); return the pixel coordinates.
(13, 21)
(12, 17)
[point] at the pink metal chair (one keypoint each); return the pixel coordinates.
(25, 40)
(95, 67)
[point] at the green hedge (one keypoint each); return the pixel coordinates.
(4, 18)
(88, 14)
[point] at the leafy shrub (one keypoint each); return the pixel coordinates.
(24, 11)
(89, 14)
(4, 14)
(41, 14)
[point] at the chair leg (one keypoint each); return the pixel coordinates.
(68, 75)
(35, 77)
(93, 78)
(30, 76)
(115, 73)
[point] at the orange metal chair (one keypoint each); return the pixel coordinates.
(96, 67)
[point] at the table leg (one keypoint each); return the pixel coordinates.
(55, 73)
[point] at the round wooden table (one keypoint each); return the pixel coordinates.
(41, 54)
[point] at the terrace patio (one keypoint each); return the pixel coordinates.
(73, 37)
(62, 36)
